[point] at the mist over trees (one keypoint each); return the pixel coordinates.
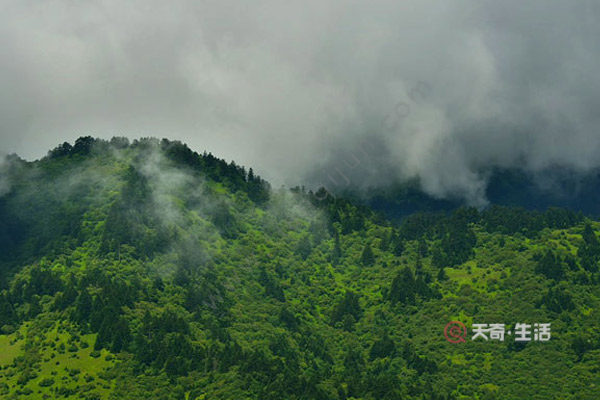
(144, 269)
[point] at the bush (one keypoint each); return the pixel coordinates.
(95, 354)
(47, 382)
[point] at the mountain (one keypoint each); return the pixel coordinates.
(550, 187)
(145, 270)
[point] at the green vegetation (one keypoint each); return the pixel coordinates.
(146, 271)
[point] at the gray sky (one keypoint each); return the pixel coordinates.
(341, 92)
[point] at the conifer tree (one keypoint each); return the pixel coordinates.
(367, 258)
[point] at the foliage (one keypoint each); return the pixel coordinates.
(146, 270)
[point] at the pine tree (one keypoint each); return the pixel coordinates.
(304, 247)
(423, 249)
(83, 307)
(336, 254)
(550, 266)
(589, 237)
(397, 245)
(441, 276)
(367, 258)
(347, 305)
(437, 257)
(403, 288)
(384, 347)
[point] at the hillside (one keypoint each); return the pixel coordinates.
(144, 270)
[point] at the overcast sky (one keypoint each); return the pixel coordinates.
(339, 91)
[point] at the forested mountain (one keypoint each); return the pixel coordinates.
(144, 270)
(514, 187)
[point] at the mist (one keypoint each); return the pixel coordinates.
(340, 94)
(4, 181)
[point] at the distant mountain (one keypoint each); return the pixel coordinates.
(145, 270)
(553, 187)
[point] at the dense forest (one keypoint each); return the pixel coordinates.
(144, 270)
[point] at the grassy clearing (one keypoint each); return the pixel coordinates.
(53, 364)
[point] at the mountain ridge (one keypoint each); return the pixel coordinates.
(146, 270)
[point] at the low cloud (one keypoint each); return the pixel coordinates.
(437, 90)
(4, 180)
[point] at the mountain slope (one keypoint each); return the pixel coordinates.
(145, 270)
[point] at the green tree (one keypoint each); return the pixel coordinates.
(348, 305)
(367, 258)
(550, 266)
(403, 288)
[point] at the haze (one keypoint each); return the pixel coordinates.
(356, 93)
